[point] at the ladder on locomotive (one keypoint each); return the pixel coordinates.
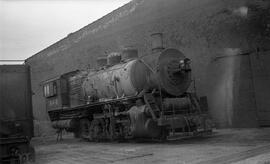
(151, 103)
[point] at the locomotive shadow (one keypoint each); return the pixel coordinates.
(180, 141)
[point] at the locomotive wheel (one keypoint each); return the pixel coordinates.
(164, 134)
(85, 129)
(96, 129)
(23, 159)
(32, 154)
(76, 131)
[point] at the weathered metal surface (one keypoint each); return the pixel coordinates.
(161, 70)
(125, 79)
(68, 90)
(75, 92)
(15, 97)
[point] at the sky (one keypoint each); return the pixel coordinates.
(29, 26)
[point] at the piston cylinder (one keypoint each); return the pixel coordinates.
(141, 124)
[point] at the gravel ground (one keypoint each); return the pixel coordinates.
(239, 146)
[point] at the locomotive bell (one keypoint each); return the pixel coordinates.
(113, 58)
(129, 53)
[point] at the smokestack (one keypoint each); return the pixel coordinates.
(157, 42)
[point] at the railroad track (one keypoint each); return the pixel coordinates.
(90, 157)
(238, 156)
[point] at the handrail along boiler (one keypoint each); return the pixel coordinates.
(129, 97)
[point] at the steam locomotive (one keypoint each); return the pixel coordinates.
(129, 97)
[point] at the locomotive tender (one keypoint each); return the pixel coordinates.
(129, 97)
(16, 119)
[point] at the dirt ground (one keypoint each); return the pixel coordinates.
(239, 146)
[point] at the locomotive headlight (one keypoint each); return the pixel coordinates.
(181, 64)
(181, 61)
(184, 64)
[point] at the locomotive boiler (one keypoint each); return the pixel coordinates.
(129, 97)
(169, 71)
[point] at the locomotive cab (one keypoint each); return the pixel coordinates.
(55, 93)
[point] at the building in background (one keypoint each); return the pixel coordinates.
(227, 42)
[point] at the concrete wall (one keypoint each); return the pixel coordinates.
(201, 29)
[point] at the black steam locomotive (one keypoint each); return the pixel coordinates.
(129, 97)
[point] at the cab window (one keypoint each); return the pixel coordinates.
(50, 89)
